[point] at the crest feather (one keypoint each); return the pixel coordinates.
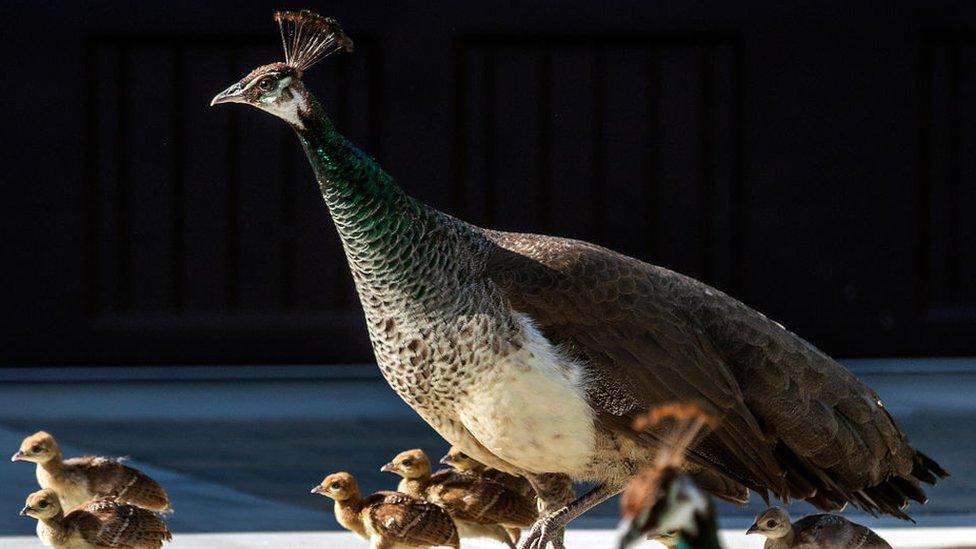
(688, 420)
(307, 37)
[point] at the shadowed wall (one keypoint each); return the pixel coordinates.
(817, 162)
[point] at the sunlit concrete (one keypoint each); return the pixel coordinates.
(919, 538)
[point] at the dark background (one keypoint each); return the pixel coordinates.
(815, 161)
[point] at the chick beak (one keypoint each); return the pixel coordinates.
(233, 94)
(318, 490)
(25, 510)
(754, 529)
(388, 468)
(446, 460)
(18, 456)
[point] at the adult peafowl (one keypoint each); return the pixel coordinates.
(533, 354)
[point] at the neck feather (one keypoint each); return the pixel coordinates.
(707, 537)
(53, 466)
(55, 525)
(393, 243)
(347, 514)
(413, 486)
(372, 215)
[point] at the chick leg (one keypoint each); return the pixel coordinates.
(551, 527)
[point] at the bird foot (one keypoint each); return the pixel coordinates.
(547, 530)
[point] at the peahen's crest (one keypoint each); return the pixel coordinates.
(684, 422)
(309, 37)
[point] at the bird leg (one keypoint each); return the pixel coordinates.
(551, 527)
(553, 491)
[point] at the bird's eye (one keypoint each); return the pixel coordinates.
(266, 84)
(770, 524)
(36, 448)
(406, 462)
(42, 504)
(335, 485)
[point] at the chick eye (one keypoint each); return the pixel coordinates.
(770, 524)
(36, 448)
(334, 486)
(266, 84)
(406, 462)
(42, 504)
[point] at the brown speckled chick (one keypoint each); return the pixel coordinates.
(388, 520)
(81, 479)
(813, 532)
(96, 524)
(457, 459)
(480, 507)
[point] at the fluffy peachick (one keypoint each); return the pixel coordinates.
(457, 459)
(534, 354)
(96, 524)
(481, 508)
(80, 479)
(388, 520)
(813, 532)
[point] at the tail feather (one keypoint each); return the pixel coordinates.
(891, 496)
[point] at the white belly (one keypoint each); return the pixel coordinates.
(73, 541)
(529, 408)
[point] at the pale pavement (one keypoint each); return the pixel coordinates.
(919, 538)
(239, 448)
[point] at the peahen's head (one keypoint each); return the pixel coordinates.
(277, 88)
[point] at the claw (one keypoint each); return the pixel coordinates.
(544, 532)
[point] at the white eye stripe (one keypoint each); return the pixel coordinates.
(252, 83)
(282, 83)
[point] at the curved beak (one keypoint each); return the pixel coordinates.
(388, 468)
(18, 456)
(25, 510)
(318, 490)
(446, 460)
(754, 529)
(233, 94)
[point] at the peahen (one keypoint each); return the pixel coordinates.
(533, 354)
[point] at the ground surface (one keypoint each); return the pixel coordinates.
(238, 449)
(919, 538)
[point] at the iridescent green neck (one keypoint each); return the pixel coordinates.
(706, 539)
(343, 171)
(394, 243)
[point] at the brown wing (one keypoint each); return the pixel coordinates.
(476, 499)
(107, 523)
(836, 531)
(793, 420)
(404, 519)
(110, 478)
(512, 482)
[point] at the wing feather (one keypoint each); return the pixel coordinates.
(794, 421)
(411, 521)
